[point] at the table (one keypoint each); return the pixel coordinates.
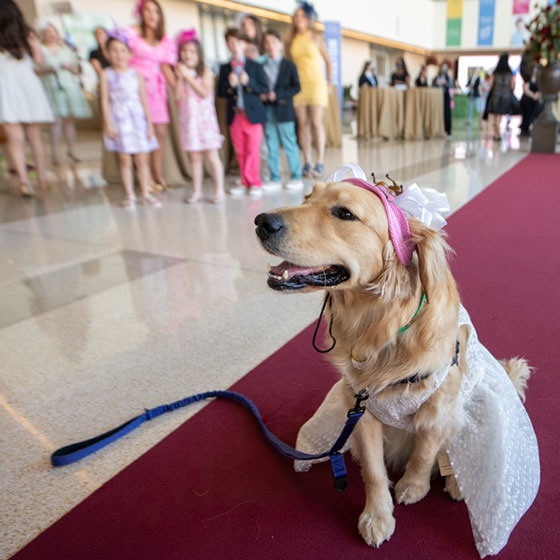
(414, 114)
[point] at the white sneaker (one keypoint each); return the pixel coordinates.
(255, 192)
(237, 191)
(294, 185)
(271, 186)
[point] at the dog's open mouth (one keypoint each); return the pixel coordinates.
(288, 276)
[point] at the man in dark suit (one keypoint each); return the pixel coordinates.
(242, 81)
(283, 83)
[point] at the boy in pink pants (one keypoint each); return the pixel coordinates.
(242, 81)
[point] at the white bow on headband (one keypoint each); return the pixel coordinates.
(425, 204)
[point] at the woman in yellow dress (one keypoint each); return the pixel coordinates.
(308, 50)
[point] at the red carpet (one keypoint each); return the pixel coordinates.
(215, 490)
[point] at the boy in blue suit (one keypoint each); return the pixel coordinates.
(242, 81)
(283, 83)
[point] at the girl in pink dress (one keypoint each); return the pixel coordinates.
(153, 55)
(200, 133)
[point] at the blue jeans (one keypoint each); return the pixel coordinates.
(285, 134)
(472, 104)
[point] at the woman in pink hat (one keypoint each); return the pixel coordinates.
(153, 55)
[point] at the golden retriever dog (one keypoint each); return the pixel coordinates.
(394, 326)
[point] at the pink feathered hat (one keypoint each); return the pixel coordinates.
(187, 35)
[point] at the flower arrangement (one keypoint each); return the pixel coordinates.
(543, 44)
(431, 60)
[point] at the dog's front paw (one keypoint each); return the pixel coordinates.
(410, 491)
(376, 529)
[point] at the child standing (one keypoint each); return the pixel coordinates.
(128, 128)
(283, 82)
(200, 133)
(242, 81)
(23, 103)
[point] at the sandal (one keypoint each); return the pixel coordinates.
(306, 171)
(129, 202)
(193, 199)
(151, 200)
(159, 187)
(25, 190)
(217, 198)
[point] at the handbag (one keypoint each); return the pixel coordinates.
(515, 105)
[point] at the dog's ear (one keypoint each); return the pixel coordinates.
(317, 188)
(433, 251)
(394, 282)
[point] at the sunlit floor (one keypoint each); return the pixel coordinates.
(107, 311)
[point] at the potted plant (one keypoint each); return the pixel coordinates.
(543, 45)
(543, 48)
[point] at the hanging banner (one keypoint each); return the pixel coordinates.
(519, 20)
(454, 23)
(333, 40)
(486, 11)
(521, 6)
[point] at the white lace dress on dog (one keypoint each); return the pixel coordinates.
(495, 455)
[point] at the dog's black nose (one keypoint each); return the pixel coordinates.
(268, 225)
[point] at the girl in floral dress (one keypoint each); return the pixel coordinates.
(128, 129)
(200, 134)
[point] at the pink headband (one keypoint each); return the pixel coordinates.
(120, 35)
(399, 230)
(138, 9)
(186, 36)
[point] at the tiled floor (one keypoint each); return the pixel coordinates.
(106, 311)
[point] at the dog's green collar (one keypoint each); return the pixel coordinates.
(422, 301)
(358, 361)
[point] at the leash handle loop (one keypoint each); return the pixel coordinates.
(76, 451)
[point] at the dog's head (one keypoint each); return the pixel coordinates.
(339, 237)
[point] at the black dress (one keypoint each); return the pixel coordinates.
(445, 83)
(398, 78)
(368, 80)
(499, 99)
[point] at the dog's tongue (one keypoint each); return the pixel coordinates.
(287, 270)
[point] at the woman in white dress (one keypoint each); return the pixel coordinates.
(23, 102)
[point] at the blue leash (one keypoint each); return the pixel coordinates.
(76, 451)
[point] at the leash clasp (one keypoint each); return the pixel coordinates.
(362, 396)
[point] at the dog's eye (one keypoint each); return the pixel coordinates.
(343, 214)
